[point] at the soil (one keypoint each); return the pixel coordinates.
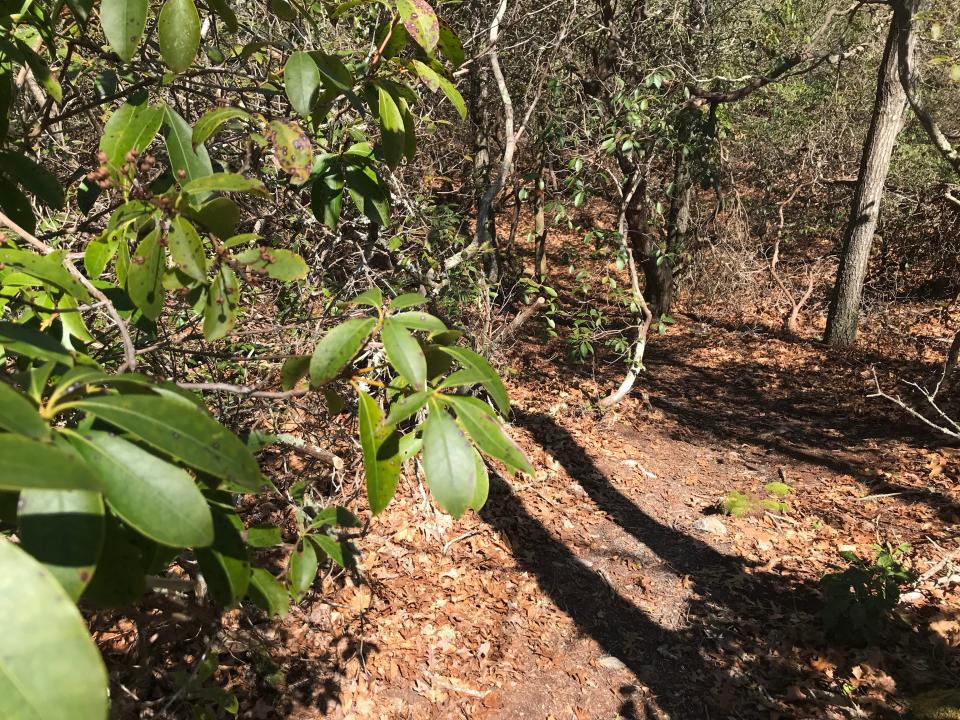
(610, 584)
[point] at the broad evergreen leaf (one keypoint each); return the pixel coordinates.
(448, 462)
(421, 22)
(278, 263)
(450, 45)
(222, 306)
(181, 430)
(178, 29)
(16, 205)
(419, 320)
(392, 131)
(337, 348)
(301, 81)
(123, 22)
(49, 268)
(26, 463)
(331, 548)
(19, 415)
(293, 370)
(371, 297)
(292, 149)
(186, 248)
(407, 406)
(381, 460)
(158, 499)
(404, 353)
(64, 530)
(482, 489)
(485, 430)
(302, 570)
(268, 593)
(213, 121)
(49, 662)
(132, 126)
(401, 302)
(493, 384)
(368, 192)
(187, 162)
(119, 579)
(454, 96)
(145, 276)
(33, 178)
(225, 182)
(226, 564)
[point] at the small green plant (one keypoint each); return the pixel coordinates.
(738, 504)
(860, 600)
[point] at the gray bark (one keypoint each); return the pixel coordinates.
(885, 125)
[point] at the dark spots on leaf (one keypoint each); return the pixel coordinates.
(84, 575)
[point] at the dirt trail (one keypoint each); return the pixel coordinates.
(603, 588)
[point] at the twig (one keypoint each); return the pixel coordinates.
(457, 539)
(246, 391)
(129, 351)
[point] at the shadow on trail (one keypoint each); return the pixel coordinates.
(748, 608)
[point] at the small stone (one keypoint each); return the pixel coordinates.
(710, 524)
(612, 663)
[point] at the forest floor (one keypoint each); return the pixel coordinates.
(608, 586)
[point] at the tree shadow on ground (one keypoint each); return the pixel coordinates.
(739, 655)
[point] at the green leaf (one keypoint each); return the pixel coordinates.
(183, 431)
(326, 199)
(419, 320)
(226, 564)
(220, 216)
(486, 431)
(123, 22)
(334, 73)
(408, 406)
(301, 81)
(337, 348)
(225, 12)
(49, 268)
(482, 490)
(132, 126)
(404, 353)
(27, 463)
(292, 149)
(493, 384)
(268, 593)
(392, 131)
(335, 515)
(303, 569)
(49, 662)
(226, 182)
(263, 535)
(158, 499)
(33, 178)
(368, 193)
(18, 414)
(64, 530)
(450, 45)
(448, 462)
(28, 342)
(16, 206)
(178, 30)
(145, 276)
(212, 121)
(454, 96)
(406, 300)
(119, 578)
(293, 370)
(188, 163)
(329, 547)
(223, 297)
(428, 76)
(371, 297)
(381, 461)
(278, 263)
(421, 22)
(186, 249)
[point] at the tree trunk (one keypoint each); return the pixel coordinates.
(540, 225)
(888, 113)
(658, 276)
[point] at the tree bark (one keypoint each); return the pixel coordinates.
(885, 125)
(540, 225)
(658, 276)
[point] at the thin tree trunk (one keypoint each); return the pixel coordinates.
(657, 273)
(540, 225)
(886, 123)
